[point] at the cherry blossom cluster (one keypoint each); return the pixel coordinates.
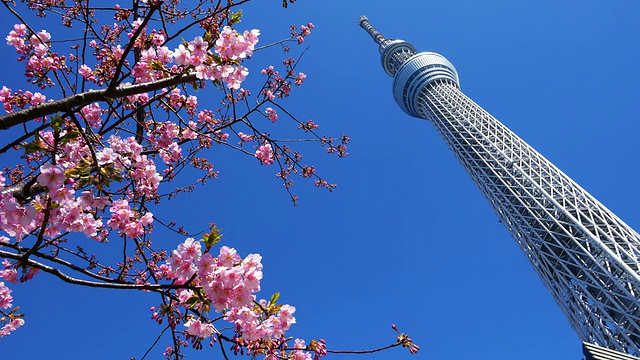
(308, 126)
(300, 78)
(19, 99)
(277, 86)
(149, 66)
(5, 297)
(126, 154)
(126, 220)
(255, 326)
(227, 281)
(8, 316)
(228, 284)
(231, 47)
(132, 101)
(70, 211)
(156, 37)
(245, 137)
(265, 154)
(271, 114)
(405, 341)
(107, 58)
(300, 35)
(13, 325)
(15, 219)
(35, 49)
(155, 61)
(92, 114)
(9, 273)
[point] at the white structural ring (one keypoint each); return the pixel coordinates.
(417, 72)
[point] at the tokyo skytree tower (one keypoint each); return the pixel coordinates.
(587, 257)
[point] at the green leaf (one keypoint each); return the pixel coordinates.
(235, 18)
(156, 65)
(71, 135)
(193, 301)
(33, 146)
(56, 122)
(274, 299)
(212, 238)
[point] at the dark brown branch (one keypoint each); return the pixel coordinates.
(22, 138)
(355, 352)
(79, 100)
(71, 280)
(43, 228)
(224, 352)
(132, 42)
(23, 192)
(155, 342)
(59, 261)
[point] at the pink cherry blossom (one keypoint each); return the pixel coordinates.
(92, 113)
(15, 219)
(37, 99)
(51, 176)
(298, 354)
(164, 55)
(265, 154)
(198, 47)
(199, 329)
(272, 114)
(228, 257)
(5, 296)
(251, 37)
(8, 273)
(11, 327)
(181, 55)
(236, 76)
(300, 78)
(245, 137)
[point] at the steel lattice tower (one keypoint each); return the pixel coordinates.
(586, 256)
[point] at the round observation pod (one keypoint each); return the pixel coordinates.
(392, 51)
(417, 72)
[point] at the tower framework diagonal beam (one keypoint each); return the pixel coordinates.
(585, 255)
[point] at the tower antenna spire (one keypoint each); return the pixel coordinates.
(394, 51)
(363, 21)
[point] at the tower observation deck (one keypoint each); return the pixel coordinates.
(585, 255)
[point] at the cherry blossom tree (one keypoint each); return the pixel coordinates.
(111, 125)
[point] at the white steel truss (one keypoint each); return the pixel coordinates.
(586, 256)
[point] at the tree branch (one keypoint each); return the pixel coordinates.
(360, 352)
(79, 100)
(71, 280)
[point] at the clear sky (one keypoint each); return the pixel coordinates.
(406, 238)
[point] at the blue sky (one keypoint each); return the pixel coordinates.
(406, 238)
